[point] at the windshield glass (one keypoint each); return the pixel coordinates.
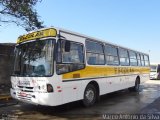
(153, 68)
(34, 58)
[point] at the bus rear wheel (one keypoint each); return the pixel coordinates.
(136, 88)
(90, 95)
(137, 85)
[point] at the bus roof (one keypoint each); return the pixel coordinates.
(96, 39)
(55, 31)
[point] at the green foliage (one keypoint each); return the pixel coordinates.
(20, 12)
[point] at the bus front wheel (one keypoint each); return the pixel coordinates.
(90, 95)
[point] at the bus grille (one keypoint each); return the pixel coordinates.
(26, 89)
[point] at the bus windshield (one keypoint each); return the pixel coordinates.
(34, 58)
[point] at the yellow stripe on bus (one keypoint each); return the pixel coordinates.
(104, 71)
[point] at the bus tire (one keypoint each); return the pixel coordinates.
(137, 85)
(90, 95)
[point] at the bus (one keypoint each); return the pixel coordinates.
(54, 66)
(154, 71)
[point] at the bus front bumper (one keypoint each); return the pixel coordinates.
(36, 98)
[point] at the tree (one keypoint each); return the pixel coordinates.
(20, 12)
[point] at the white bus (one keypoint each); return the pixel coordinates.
(155, 71)
(55, 66)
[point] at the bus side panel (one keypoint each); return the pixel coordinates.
(112, 84)
(71, 91)
(72, 88)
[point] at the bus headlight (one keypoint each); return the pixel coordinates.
(49, 88)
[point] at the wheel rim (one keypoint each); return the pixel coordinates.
(90, 95)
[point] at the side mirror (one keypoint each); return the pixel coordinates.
(67, 46)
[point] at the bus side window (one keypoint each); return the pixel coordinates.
(69, 59)
(123, 56)
(139, 59)
(146, 60)
(94, 53)
(111, 53)
(142, 60)
(133, 58)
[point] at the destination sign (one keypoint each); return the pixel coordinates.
(38, 34)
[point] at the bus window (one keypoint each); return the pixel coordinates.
(123, 56)
(111, 53)
(142, 60)
(69, 59)
(139, 59)
(133, 58)
(95, 53)
(146, 60)
(34, 58)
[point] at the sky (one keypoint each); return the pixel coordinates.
(130, 23)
